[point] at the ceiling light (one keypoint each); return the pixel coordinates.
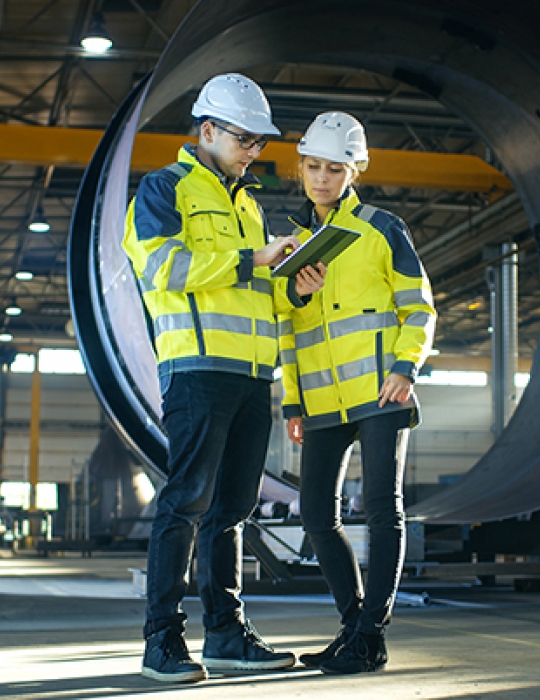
(5, 337)
(96, 40)
(24, 275)
(13, 310)
(39, 223)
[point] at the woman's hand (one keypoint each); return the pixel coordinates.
(396, 387)
(295, 430)
(310, 279)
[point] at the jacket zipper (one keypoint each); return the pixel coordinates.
(234, 192)
(196, 323)
(380, 358)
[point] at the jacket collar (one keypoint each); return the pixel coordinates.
(248, 179)
(304, 216)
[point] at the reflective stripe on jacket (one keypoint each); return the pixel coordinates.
(374, 315)
(191, 242)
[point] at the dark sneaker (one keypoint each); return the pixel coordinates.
(166, 658)
(318, 658)
(238, 646)
(363, 652)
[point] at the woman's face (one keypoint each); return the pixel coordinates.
(325, 181)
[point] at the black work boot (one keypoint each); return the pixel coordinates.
(318, 658)
(238, 646)
(166, 658)
(363, 652)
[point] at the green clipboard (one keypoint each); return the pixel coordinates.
(325, 244)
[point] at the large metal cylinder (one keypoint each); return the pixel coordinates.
(480, 61)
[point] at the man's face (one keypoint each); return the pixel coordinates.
(231, 149)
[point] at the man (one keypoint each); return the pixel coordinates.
(197, 242)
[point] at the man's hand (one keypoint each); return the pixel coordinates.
(396, 387)
(275, 252)
(295, 430)
(310, 279)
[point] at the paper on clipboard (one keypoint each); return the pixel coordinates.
(325, 244)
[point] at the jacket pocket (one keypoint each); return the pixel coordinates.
(165, 376)
(211, 230)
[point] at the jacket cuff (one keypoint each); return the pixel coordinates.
(292, 411)
(407, 369)
(297, 301)
(245, 266)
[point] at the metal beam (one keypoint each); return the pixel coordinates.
(63, 147)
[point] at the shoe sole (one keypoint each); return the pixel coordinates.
(183, 677)
(310, 664)
(239, 665)
(327, 670)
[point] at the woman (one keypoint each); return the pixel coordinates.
(349, 361)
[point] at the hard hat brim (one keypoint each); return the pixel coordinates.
(321, 153)
(253, 127)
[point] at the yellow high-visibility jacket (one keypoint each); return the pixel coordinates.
(191, 242)
(374, 315)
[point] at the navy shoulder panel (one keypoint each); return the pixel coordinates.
(398, 237)
(155, 203)
(177, 171)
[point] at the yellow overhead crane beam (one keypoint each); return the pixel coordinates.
(64, 147)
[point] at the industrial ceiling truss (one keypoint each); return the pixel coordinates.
(429, 165)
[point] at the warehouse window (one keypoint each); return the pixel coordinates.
(23, 363)
(439, 377)
(521, 379)
(51, 361)
(466, 378)
(16, 494)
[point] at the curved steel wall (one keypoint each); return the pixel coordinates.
(480, 59)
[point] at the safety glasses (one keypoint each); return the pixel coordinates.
(245, 141)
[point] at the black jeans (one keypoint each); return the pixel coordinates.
(383, 441)
(218, 426)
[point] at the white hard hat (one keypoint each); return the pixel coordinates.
(237, 100)
(338, 137)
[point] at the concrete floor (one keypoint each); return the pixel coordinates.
(70, 628)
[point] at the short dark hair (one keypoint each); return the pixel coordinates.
(197, 123)
(199, 120)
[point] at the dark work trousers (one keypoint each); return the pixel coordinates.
(218, 425)
(383, 441)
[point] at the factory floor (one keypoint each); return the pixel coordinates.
(70, 627)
